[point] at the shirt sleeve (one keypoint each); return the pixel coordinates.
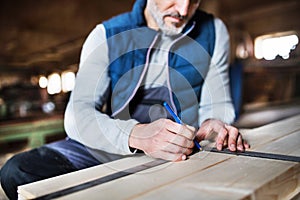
(216, 100)
(84, 121)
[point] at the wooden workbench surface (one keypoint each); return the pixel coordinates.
(205, 175)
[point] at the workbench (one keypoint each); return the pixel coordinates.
(205, 175)
(35, 131)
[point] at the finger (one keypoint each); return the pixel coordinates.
(221, 138)
(204, 132)
(240, 144)
(180, 141)
(187, 133)
(184, 130)
(233, 137)
(172, 148)
(172, 126)
(165, 155)
(246, 144)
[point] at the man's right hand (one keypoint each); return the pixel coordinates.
(163, 139)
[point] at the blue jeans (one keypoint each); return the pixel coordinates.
(41, 163)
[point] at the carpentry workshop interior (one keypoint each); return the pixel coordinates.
(40, 50)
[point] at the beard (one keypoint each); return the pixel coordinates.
(158, 17)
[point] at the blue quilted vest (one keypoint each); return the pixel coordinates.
(129, 40)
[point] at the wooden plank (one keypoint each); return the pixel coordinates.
(261, 178)
(235, 177)
(271, 132)
(205, 175)
(150, 179)
(40, 188)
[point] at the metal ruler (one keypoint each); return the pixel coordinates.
(257, 154)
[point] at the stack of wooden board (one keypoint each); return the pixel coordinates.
(205, 175)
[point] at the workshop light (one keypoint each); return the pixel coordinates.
(68, 81)
(54, 84)
(43, 82)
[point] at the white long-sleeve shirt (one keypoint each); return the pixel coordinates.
(87, 125)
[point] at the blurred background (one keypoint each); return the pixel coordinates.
(40, 48)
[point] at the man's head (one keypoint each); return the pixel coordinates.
(170, 16)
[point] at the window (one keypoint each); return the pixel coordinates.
(273, 45)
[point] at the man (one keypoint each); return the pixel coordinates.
(161, 51)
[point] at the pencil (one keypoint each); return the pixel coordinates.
(178, 120)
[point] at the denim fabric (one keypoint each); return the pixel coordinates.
(31, 166)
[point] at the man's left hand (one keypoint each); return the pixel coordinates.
(226, 135)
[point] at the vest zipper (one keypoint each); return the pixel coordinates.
(168, 74)
(141, 78)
